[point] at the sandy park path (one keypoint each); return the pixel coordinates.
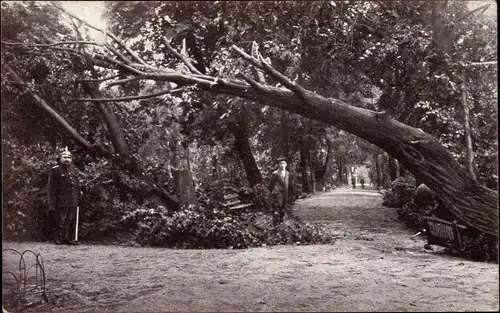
(373, 266)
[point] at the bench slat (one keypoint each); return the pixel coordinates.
(231, 196)
(232, 203)
(242, 206)
(444, 233)
(435, 219)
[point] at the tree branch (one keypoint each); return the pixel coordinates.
(59, 43)
(180, 56)
(153, 95)
(118, 54)
(483, 63)
(482, 8)
(85, 80)
(118, 41)
(255, 85)
(123, 81)
(42, 104)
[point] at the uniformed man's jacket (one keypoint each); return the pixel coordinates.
(280, 187)
(63, 187)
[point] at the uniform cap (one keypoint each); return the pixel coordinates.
(65, 152)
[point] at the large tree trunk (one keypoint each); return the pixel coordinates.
(468, 136)
(244, 150)
(321, 167)
(312, 168)
(378, 171)
(471, 203)
(180, 168)
(284, 136)
(118, 140)
(304, 152)
(393, 168)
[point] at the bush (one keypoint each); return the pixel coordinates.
(478, 247)
(401, 191)
(215, 227)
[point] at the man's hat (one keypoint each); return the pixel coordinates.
(65, 152)
(280, 159)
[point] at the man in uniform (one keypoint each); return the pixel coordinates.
(63, 195)
(281, 189)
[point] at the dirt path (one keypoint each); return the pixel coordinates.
(373, 266)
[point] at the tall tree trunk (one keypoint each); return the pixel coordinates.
(442, 32)
(215, 167)
(379, 171)
(402, 171)
(311, 176)
(393, 168)
(284, 135)
(118, 139)
(244, 150)
(180, 168)
(304, 153)
(340, 169)
(468, 137)
(321, 167)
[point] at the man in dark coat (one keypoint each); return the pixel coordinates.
(281, 191)
(63, 195)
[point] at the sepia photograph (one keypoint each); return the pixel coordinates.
(249, 156)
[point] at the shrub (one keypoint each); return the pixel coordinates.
(478, 247)
(401, 191)
(216, 227)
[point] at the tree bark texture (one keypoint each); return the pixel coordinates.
(340, 170)
(244, 150)
(393, 168)
(304, 152)
(118, 140)
(468, 136)
(180, 169)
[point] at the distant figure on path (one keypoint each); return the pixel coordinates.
(362, 181)
(281, 189)
(63, 195)
(353, 182)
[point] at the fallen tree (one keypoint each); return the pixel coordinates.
(431, 163)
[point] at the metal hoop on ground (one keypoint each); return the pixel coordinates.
(22, 278)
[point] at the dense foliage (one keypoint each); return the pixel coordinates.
(373, 54)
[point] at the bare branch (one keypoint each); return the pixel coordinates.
(482, 8)
(118, 54)
(247, 57)
(180, 56)
(272, 72)
(153, 95)
(123, 81)
(255, 85)
(483, 63)
(124, 46)
(106, 33)
(60, 43)
(84, 80)
(41, 103)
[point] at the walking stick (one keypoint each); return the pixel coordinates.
(76, 226)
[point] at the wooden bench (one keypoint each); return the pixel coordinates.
(443, 233)
(235, 203)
